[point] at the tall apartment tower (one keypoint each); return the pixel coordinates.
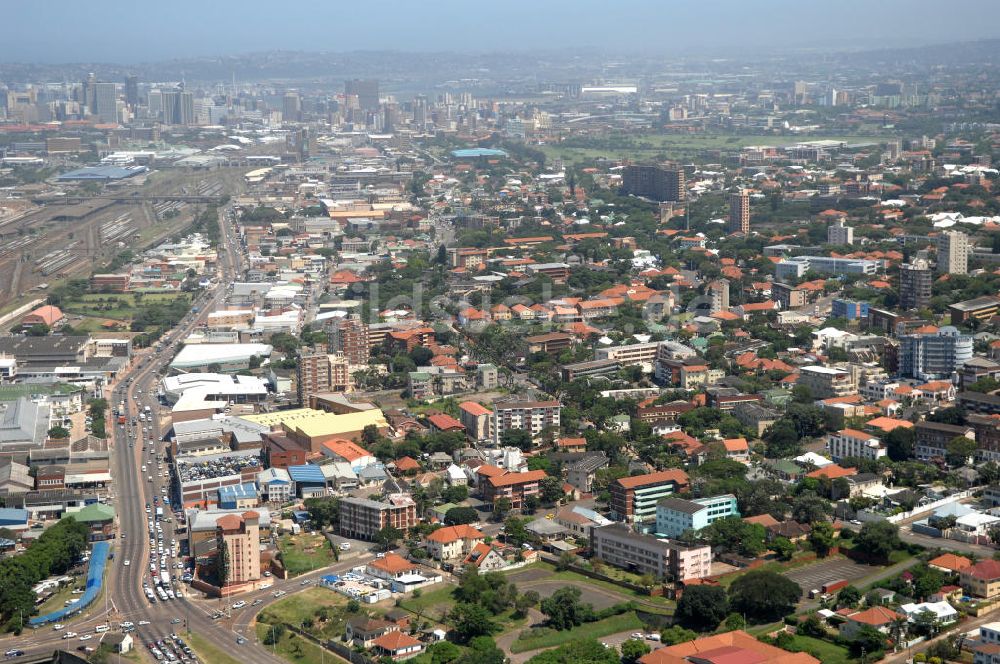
(915, 280)
(132, 91)
(320, 372)
(365, 91)
(718, 291)
(239, 534)
(350, 337)
(660, 183)
(739, 212)
(292, 107)
(177, 107)
(839, 233)
(953, 252)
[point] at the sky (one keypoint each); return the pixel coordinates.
(133, 31)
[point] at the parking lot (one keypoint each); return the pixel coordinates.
(816, 574)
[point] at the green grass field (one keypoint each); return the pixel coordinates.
(305, 553)
(594, 630)
(212, 652)
(326, 609)
(116, 306)
(295, 648)
(826, 652)
(431, 603)
(649, 603)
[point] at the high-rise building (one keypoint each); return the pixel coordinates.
(839, 233)
(350, 338)
(132, 91)
(177, 107)
(321, 372)
(660, 183)
(292, 107)
(239, 536)
(718, 292)
(106, 102)
(365, 91)
(739, 212)
(936, 355)
(362, 518)
(915, 280)
(953, 252)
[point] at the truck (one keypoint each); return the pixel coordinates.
(121, 419)
(165, 579)
(834, 586)
(159, 513)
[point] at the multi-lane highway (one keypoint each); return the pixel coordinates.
(133, 446)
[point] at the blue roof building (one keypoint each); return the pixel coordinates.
(472, 153)
(13, 518)
(238, 496)
(102, 173)
(309, 480)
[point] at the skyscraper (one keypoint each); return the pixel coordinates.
(292, 107)
(132, 91)
(177, 107)
(659, 183)
(953, 252)
(365, 91)
(106, 102)
(739, 212)
(915, 284)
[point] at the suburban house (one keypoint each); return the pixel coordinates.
(397, 645)
(362, 631)
(485, 558)
(981, 579)
(452, 542)
(878, 617)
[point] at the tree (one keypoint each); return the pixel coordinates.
(460, 515)
(802, 394)
(323, 511)
(632, 650)
(702, 608)
(388, 537)
(764, 596)
(781, 440)
(899, 443)
(565, 610)
(274, 634)
(456, 493)
(677, 634)
(734, 534)
(581, 651)
(848, 596)
(551, 490)
(515, 530)
(812, 626)
(877, 539)
(369, 435)
(471, 620)
(353, 606)
(810, 508)
(783, 547)
(58, 433)
(38, 330)
(821, 537)
(518, 438)
(501, 507)
(869, 641)
(442, 652)
(959, 450)
(525, 601)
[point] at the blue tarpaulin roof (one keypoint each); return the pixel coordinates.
(95, 579)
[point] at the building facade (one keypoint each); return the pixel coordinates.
(618, 545)
(361, 518)
(674, 516)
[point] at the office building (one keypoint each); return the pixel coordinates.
(796, 267)
(659, 183)
(739, 212)
(321, 372)
(935, 355)
(850, 309)
(674, 516)
(915, 281)
(531, 416)
(789, 297)
(839, 233)
(239, 535)
(362, 518)
(106, 102)
(177, 107)
(644, 554)
(132, 91)
(634, 499)
(953, 252)
(365, 91)
(350, 338)
(292, 107)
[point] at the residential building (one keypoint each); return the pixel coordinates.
(362, 518)
(674, 516)
(718, 293)
(789, 297)
(915, 280)
(397, 646)
(755, 417)
(877, 617)
(953, 252)
(349, 337)
(848, 443)
(550, 342)
(634, 499)
(239, 535)
(736, 647)
(980, 308)
(476, 420)
(641, 354)
(827, 382)
(654, 181)
(531, 416)
(839, 233)
(739, 212)
(981, 579)
(453, 542)
(852, 310)
(795, 267)
(932, 438)
(321, 372)
(580, 474)
(515, 487)
(934, 355)
(987, 433)
(618, 545)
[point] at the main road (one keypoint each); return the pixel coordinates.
(124, 595)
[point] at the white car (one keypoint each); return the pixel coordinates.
(57, 627)
(86, 637)
(239, 605)
(127, 563)
(143, 623)
(69, 635)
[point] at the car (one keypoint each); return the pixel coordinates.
(279, 593)
(256, 602)
(127, 624)
(175, 621)
(86, 637)
(240, 640)
(266, 573)
(127, 563)
(637, 635)
(69, 635)
(14, 652)
(57, 627)
(143, 623)
(239, 605)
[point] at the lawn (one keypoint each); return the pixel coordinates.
(650, 602)
(211, 652)
(305, 552)
(58, 600)
(295, 648)
(594, 630)
(117, 306)
(318, 611)
(824, 651)
(431, 602)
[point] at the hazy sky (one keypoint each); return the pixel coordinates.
(128, 31)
